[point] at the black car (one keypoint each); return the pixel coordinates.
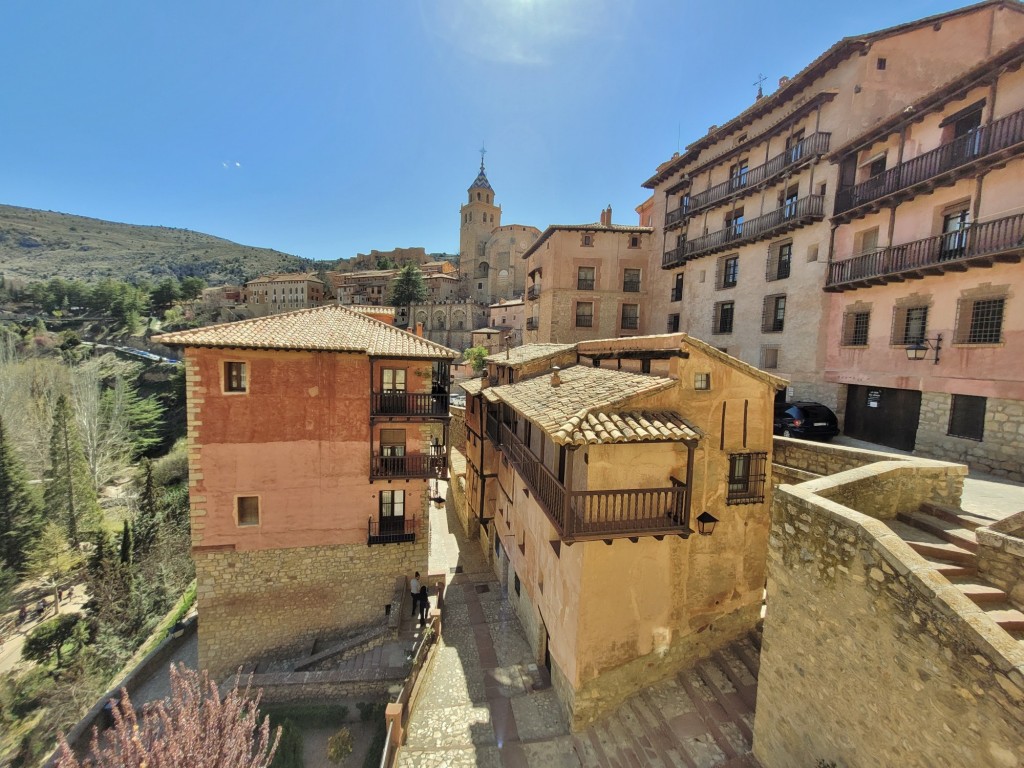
(810, 421)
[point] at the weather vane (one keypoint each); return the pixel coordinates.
(760, 82)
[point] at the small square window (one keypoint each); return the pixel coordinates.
(587, 241)
(967, 417)
(631, 280)
(722, 321)
(634, 241)
(855, 329)
(248, 510)
(234, 377)
(769, 357)
(780, 261)
(880, 63)
(773, 316)
(673, 323)
(727, 271)
(702, 381)
(980, 321)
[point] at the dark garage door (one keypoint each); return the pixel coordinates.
(882, 415)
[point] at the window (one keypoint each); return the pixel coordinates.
(980, 321)
(909, 324)
(788, 200)
(234, 377)
(773, 316)
(584, 314)
(723, 317)
(630, 316)
(769, 357)
(631, 280)
(738, 174)
(585, 279)
(953, 241)
(780, 261)
(746, 478)
(866, 241)
(855, 328)
(727, 271)
(795, 146)
(587, 241)
(247, 509)
(734, 223)
(702, 381)
(392, 504)
(393, 379)
(877, 167)
(677, 288)
(880, 63)
(634, 241)
(673, 324)
(967, 417)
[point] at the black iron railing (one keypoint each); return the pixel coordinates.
(584, 285)
(950, 249)
(532, 323)
(630, 323)
(391, 530)
(980, 143)
(584, 321)
(409, 404)
(631, 286)
(533, 291)
(432, 464)
(676, 295)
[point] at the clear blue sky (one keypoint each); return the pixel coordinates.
(328, 127)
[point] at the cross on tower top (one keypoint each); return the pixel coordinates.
(483, 151)
(759, 83)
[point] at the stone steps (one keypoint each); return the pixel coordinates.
(943, 529)
(980, 592)
(954, 515)
(931, 546)
(1007, 617)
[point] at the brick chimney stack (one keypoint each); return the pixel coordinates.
(606, 216)
(556, 380)
(419, 329)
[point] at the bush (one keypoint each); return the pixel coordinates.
(369, 710)
(339, 746)
(172, 469)
(289, 748)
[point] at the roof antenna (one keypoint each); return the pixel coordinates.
(759, 83)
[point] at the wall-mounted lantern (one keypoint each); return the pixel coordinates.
(706, 523)
(919, 350)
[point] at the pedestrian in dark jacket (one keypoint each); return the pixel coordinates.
(424, 604)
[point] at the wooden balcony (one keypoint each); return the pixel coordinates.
(982, 148)
(677, 216)
(533, 292)
(409, 404)
(411, 466)
(609, 514)
(392, 530)
(978, 245)
(532, 323)
(794, 215)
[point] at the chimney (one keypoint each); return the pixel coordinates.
(419, 329)
(556, 380)
(783, 80)
(485, 380)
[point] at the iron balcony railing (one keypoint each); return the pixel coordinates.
(428, 465)
(807, 148)
(631, 286)
(597, 514)
(533, 291)
(584, 321)
(790, 215)
(583, 284)
(630, 323)
(409, 404)
(980, 143)
(532, 323)
(672, 326)
(391, 530)
(676, 295)
(951, 250)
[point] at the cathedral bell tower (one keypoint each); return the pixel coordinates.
(480, 217)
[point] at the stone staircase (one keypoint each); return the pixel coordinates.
(945, 537)
(703, 716)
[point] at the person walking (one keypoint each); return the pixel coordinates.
(424, 601)
(414, 588)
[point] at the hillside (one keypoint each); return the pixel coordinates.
(37, 245)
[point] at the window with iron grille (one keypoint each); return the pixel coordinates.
(909, 324)
(773, 315)
(769, 357)
(723, 317)
(631, 280)
(673, 324)
(980, 321)
(746, 478)
(855, 328)
(967, 417)
(780, 261)
(585, 279)
(584, 314)
(677, 288)
(630, 316)
(727, 271)
(234, 377)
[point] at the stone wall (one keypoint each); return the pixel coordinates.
(998, 453)
(887, 488)
(457, 428)
(261, 603)
(822, 458)
(1001, 556)
(870, 658)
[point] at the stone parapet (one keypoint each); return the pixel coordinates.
(1001, 556)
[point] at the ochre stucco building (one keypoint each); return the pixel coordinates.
(312, 438)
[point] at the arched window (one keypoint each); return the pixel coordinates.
(439, 321)
(477, 195)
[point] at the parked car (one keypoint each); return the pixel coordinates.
(458, 400)
(810, 421)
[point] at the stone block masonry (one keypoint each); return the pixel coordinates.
(1001, 556)
(257, 604)
(999, 451)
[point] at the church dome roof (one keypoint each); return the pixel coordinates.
(481, 180)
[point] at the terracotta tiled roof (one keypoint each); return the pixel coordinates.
(627, 427)
(560, 410)
(371, 309)
(472, 386)
(528, 353)
(596, 227)
(287, 277)
(329, 329)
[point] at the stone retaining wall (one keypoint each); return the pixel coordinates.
(870, 657)
(823, 458)
(1001, 556)
(325, 687)
(886, 488)
(457, 428)
(997, 454)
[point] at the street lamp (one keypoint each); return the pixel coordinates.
(706, 523)
(920, 349)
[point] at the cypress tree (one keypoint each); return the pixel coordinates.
(20, 515)
(126, 544)
(70, 494)
(147, 519)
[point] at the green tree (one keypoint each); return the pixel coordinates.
(147, 517)
(20, 515)
(167, 292)
(49, 638)
(192, 288)
(126, 544)
(70, 495)
(408, 288)
(475, 356)
(52, 560)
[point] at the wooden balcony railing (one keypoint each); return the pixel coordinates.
(675, 257)
(426, 465)
(409, 404)
(784, 218)
(533, 291)
(532, 323)
(925, 170)
(580, 515)
(811, 146)
(391, 530)
(677, 215)
(977, 245)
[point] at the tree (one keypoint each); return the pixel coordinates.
(147, 519)
(475, 356)
(52, 560)
(194, 727)
(49, 638)
(20, 516)
(167, 292)
(408, 288)
(192, 288)
(70, 494)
